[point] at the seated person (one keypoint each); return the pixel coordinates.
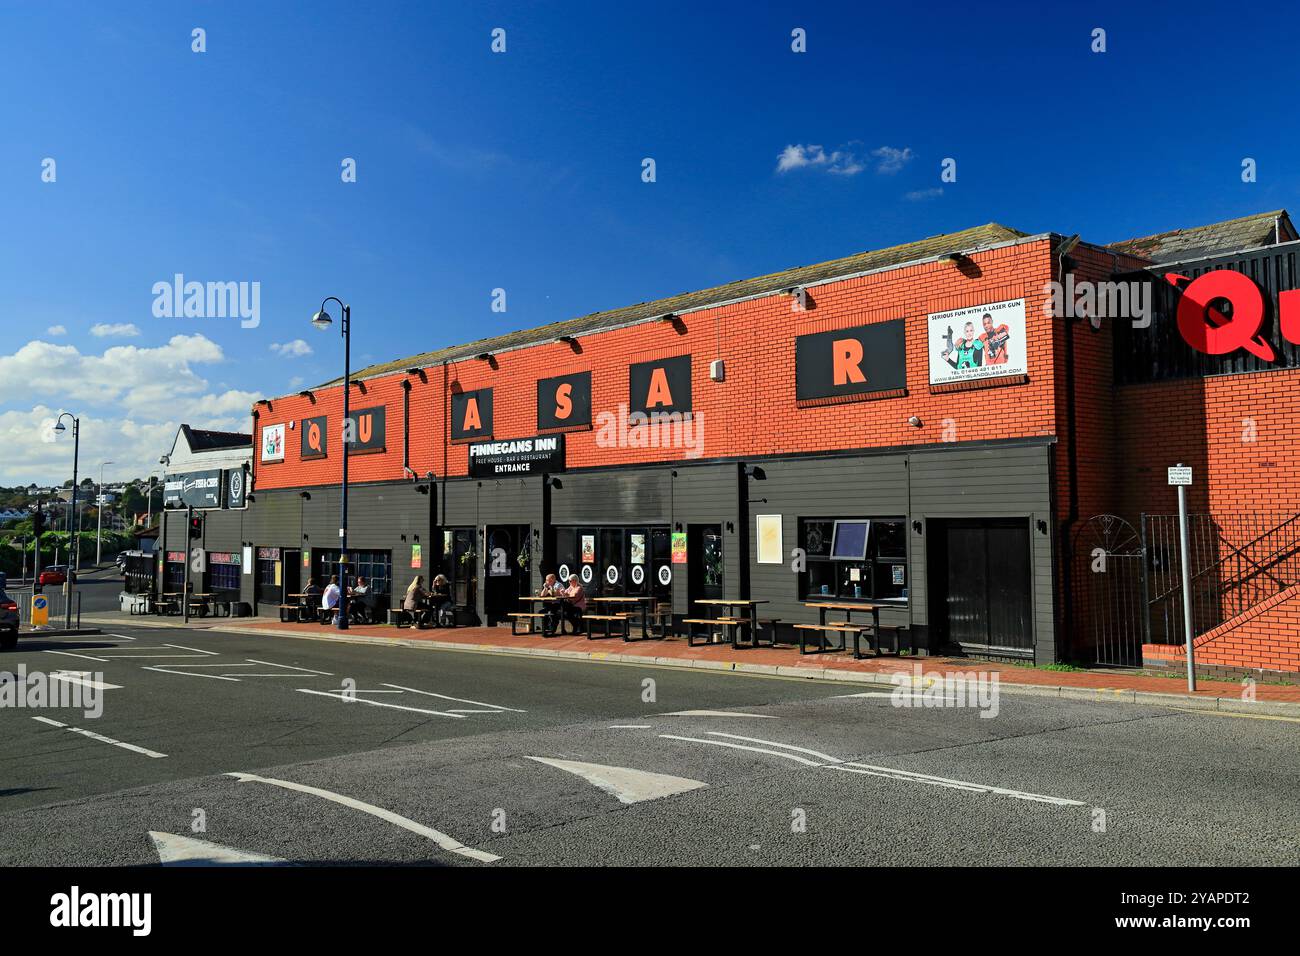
(575, 602)
(330, 599)
(310, 597)
(359, 601)
(440, 595)
(553, 610)
(417, 601)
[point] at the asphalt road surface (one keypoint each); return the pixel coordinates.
(241, 748)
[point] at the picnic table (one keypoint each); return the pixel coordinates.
(170, 603)
(846, 626)
(649, 631)
(531, 617)
(714, 609)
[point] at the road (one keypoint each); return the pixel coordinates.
(247, 748)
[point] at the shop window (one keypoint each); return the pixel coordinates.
(223, 572)
(175, 578)
(375, 566)
(854, 558)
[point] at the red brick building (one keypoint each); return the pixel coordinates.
(918, 428)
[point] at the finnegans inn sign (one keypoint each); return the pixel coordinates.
(523, 456)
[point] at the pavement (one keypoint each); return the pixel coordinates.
(247, 747)
(1100, 684)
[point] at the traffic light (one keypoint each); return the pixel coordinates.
(196, 527)
(38, 524)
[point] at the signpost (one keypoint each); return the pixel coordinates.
(1181, 477)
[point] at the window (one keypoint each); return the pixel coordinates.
(375, 566)
(855, 558)
(223, 571)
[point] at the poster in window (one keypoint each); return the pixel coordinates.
(984, 341)
(248, 559)
(896, 571)
(417, 556)
(769, 539)
(679, 547)
(588, 549)
(636, 548)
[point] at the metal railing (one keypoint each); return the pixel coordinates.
(1236, 561)
(58, 608)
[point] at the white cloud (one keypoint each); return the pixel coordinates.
(840, 162)
(57, 330)
(130, 400)
(296, 381)
(295, 349)
(919, 194)
(891, 159)
(103, 330)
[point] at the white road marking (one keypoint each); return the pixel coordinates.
(909, 775)
(717, 713)
(757, 750)
(100, 737)
(629, 726)
(376, 703)
(142, 657)
(84, 657)
(773, 743)
(889, 693)
(253, 660)
(161, 670)
(176, 850)
(444, 841)
(197, 650)
(122, 637)
(627, 784)
(459, 700)
(84, 678)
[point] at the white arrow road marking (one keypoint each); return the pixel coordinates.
(444, 841)
(717, 713)
(628, 785)
(773, 743)
(102, 739)
(176, 850)
(339, 695)
(459, 700)
(757, 750)
(909, 775)
(84, 678)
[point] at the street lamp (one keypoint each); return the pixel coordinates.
(74, 531)
(322, 321)
(99, 512)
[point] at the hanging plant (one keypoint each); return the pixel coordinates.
(521, 559)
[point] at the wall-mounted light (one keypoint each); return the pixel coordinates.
(668, 317)
(677, 526)
(955, 256)
(1042, 526)
(308, 393)
(731, 527)
(755, 472)
(305, 495)
(914, 422)
(917, 526)
(570, 340)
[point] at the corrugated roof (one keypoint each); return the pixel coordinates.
(1260, 229)
(965, 241)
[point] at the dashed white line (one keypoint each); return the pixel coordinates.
(718, 713)
(914, 777)
(773, 743)
(100, 737)
(759, 750)
(629, 726)
(444, 841)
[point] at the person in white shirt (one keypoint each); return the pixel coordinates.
(330, 600)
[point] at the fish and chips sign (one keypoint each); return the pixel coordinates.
(523, 456)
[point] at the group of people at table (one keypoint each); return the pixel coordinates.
(331, 594)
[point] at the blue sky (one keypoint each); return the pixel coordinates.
(522, 170)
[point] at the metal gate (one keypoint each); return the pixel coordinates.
(1110, 589)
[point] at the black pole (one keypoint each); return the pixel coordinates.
(343, 517)
(185, 579)
(73, 537)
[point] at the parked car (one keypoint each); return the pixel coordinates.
(54, 574)
(8, 622)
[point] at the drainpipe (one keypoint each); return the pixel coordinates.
(1072, 473)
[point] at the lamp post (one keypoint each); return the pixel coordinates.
(99, 513)
(322, 321)
(74, 525)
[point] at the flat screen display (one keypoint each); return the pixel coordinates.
(850, 540)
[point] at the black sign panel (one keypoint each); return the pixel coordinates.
(471, 414)
(194, 489)
(236, 487)
(564, 401)
(366, 427)
(663, 385)
(315, 438)
(522, 456)
(857, 361)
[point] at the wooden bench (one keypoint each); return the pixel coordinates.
(873, 639)
(401, 617)
(841, 628)
(768, 623)
(608, 621)
(529, 616)
(727, 622)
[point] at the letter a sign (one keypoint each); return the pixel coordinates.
(663, 385)
(471, 414)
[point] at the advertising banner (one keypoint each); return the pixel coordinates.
(983, 341)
